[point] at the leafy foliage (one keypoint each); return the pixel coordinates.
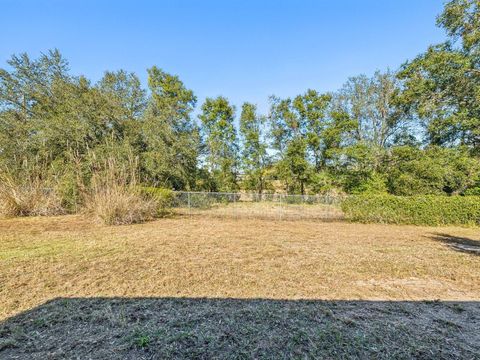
(254, 154)
(434, 171)
(442, 86)
(164, 198)
(417, 210)
(220, 137)
(414, 132)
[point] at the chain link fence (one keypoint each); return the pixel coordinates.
(258, 206)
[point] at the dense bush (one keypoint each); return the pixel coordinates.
(417, 210)
(164, 198)
(432, 171)
(374, 183)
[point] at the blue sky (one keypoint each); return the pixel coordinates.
(245, 50)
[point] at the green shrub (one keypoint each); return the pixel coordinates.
(165, 198)
(416, 210)
(375, 183)
(69, 192)
(473, 191)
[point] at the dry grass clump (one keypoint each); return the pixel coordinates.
(28, 197)
(120, 205)
(114, 198)
(108, 192)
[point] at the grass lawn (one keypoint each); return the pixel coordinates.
(267, 211)
(235, 288)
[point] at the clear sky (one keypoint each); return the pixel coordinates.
(245, 50)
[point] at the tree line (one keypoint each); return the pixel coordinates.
(411, 131)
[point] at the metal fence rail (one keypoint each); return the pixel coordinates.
(254, 205)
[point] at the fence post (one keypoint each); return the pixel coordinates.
(234, 205)
(189, 207)
(281, 206)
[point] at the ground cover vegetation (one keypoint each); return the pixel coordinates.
(414, 131)
(236, 288)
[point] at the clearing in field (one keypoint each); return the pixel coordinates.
(218, 287)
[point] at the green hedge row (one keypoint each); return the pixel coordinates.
(416, 210)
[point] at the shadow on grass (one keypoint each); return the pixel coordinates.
(150, 328)
(457, 243)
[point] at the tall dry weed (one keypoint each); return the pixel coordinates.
(114, 198)
(28, 196)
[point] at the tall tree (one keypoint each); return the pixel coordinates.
(442, 85)
(365, 122)
(221, 147)
(53, 114)
(461, 19)
(171, 136)
(290, 140)
(24, 86)
(254, 153)
(125, 91)
(371, 103)
(311, 109)
(28, 79)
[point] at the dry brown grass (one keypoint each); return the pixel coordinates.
(28, 197)
(162, 289)
(267, 210)
(120, 205)
(44, 258)
(113, 197)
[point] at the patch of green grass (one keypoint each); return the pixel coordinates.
(237, 329)
(37, 250)
(142, 340)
